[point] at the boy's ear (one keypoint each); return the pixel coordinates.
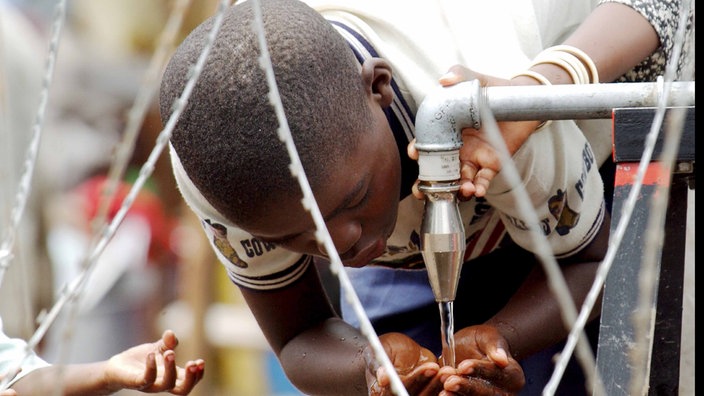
(376, 76)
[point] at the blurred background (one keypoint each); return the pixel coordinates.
(157, 272)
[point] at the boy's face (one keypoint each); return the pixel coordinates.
(359, 203)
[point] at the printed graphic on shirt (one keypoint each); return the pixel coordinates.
(567, 218)
(587, 164)
(223, 245)
(559, 204)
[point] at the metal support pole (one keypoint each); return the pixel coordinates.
(446, 111)
(572, 102)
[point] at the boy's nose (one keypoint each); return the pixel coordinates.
(344, 236)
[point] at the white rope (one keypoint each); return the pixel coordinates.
(143, 101)
(650, 265)
(25, 185)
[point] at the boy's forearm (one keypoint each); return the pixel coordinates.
(523, 320)
(76, 380)
(327, 360)
(320, 353)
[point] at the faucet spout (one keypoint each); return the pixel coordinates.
(442, 239)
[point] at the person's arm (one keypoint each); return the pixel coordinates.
(149, 368)
(615, 36)
(320, 353)
(522, 321)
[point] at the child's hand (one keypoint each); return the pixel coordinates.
(152, 368)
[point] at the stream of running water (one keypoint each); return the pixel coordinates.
(447, 329)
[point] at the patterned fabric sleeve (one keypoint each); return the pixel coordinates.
(664, 16)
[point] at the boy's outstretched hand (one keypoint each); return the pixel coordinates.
(485, 367)
(152, 368)
(416, 366)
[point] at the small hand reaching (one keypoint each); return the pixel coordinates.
(152, 368)
(148, 368)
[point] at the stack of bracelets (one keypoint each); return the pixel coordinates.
(574, 61)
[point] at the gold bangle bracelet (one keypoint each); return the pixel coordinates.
(543, 81)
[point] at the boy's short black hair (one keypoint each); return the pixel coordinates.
(227, 137)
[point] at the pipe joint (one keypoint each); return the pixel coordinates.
(439, 122)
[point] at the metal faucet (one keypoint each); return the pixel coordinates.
(439, 123)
